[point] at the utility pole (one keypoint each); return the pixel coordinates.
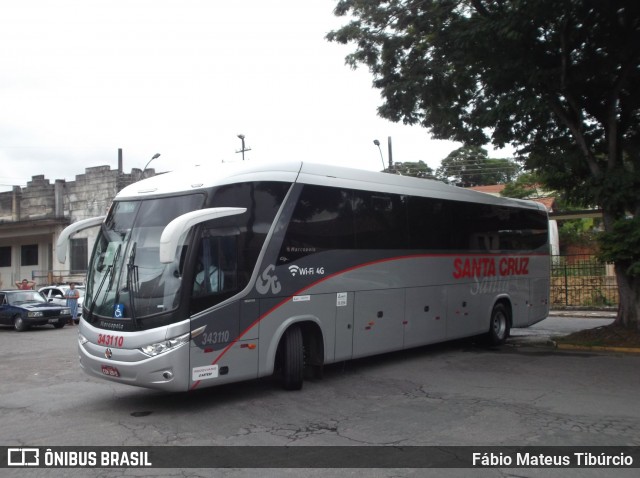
(241, 136)
(390, 154)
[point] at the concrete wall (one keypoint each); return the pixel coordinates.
(37, 213)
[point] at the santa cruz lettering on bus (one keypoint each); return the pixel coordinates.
(490, 267)
(110, 340)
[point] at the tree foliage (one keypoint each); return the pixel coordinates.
(471, 166)
(418, 169)
(622, 244)
(526, 185)
(580, 232)
(557, 79)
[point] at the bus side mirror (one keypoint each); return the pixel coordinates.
(172, 233)
(63, 239)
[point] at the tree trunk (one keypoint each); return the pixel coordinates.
(629, 302)
(628, 286)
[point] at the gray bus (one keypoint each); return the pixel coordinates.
(218, 274)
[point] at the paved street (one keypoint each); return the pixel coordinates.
(451, 394)
(562, 323)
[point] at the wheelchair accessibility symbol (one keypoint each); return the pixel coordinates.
(118, 311)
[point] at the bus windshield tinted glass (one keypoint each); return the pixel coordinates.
(126, 278)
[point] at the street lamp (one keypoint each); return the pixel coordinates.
(377, 143)
(241, 136)
(155, 156)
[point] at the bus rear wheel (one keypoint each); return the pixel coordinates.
(292, 359)
(499, 325)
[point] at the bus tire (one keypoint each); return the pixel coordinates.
(19, 324)
(499, 325)
(293, 359)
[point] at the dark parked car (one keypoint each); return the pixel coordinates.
(24, 308)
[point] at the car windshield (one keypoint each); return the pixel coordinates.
(25, 297)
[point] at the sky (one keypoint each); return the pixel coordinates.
(80, 79)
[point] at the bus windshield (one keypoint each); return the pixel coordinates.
(126, 278)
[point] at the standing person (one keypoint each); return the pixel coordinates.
(72, 295)
(26, 284)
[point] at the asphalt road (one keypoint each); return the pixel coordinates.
(460, 393)
(562, 323)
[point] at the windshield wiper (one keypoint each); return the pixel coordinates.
(109, 273)
(132, 276)
(116, 256)
(94, 302)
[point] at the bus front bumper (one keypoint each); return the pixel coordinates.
(167, 371)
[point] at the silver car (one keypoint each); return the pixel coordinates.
(55, 295)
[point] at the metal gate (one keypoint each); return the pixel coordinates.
(582, 281)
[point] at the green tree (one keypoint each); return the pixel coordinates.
(471, 166)
(417, 170)
(527, 185)
(557, 79)
(579, 232)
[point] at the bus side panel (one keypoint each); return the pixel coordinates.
(344, 326)
(249, 313)
(516, 289)
(221, 332)
(540, 273)
(239, 362)
(378, 321)
(539, 300)
(425, 316)
(463, 312)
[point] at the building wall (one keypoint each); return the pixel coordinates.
(37, 213)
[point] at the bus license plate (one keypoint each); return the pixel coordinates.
(110, 371)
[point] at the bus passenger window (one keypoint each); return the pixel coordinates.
(322, 220)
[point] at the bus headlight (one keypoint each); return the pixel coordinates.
(82, 339)
(34, 314)
(165, 346)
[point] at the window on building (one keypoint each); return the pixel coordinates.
(5, 256)
(29, 255)
(79, 254)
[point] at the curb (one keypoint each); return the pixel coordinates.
(583, 314)
(595, 348)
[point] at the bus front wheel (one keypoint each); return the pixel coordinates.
(499, 325)
(292, 359)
